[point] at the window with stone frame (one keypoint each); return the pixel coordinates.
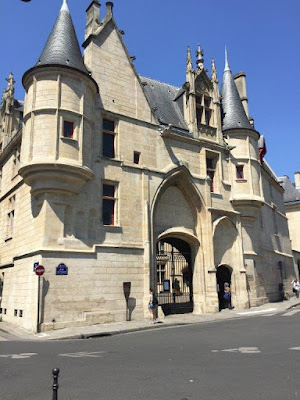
(108, 141)
(204, 111)
(10, 216)
(68, 129)
(240, 172)
(211, 165)
(109, 201)
(16, 160)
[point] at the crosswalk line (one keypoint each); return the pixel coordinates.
(288, 314)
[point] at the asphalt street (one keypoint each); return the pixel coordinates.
(253, 358)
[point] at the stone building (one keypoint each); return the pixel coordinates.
(108, 177)
(292, 206)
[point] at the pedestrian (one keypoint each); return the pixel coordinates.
(227, 296)
(152, 305)
(296, 287)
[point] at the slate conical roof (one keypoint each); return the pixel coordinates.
(62, 47)
(233, 110)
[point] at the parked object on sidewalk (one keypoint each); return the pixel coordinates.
(283, 294)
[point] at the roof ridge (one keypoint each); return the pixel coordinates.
(156, 80)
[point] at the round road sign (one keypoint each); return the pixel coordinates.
(39, 270)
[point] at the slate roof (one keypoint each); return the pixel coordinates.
(166, 102)
(291, 194)
(233, 110)
(62, 47)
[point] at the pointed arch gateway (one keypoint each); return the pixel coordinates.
(177, 211)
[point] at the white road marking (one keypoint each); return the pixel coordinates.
(267, 310)
(294, 348)
(83, 354)
(291, 313)
(17, 356)
(244, 350)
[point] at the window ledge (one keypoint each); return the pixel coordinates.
(241, 180)
(216, 194)
(113, 227)
(111, 159)
(68, 139)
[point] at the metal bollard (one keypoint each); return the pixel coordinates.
(55, 373)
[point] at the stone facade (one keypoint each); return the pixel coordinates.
(292, 207)
(177, 184)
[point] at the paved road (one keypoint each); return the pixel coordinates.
(255, 358)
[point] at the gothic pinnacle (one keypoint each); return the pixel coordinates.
(214, 77)
(189, 62)
(200, 59)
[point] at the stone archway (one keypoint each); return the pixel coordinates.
(177, 210)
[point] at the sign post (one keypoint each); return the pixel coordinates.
(39, 271)
(126, 290)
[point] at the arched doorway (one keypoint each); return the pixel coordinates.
(223, 275)
(174, 276)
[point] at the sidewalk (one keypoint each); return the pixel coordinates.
(115, 328)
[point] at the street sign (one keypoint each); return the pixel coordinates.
(39, 270)
(36, 264)
(62, 269)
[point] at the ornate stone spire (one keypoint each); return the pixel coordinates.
(189, 62)
(7, 101)
(62, 47)
(214, 76)
(233, 110)
(200, 59)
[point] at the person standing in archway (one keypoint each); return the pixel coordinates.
(152, 305)
(227, 296)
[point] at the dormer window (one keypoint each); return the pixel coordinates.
(203, 109)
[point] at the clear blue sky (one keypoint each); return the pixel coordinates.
(262, 37)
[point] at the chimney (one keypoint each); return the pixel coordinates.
(92, 18)
(240, 82)
(297, 180)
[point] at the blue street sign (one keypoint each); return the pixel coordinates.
(62, 269)
(36, 264)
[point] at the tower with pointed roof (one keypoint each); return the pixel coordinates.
(246, 194)
(59, 93)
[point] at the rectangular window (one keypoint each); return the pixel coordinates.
(68, 129)
(136, 157)
(10, 217)
(16, 160)
(210, 171)
(108, 148)
(108, 204)
(239, 172)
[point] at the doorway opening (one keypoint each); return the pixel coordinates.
(223, 276)
(174, 276)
